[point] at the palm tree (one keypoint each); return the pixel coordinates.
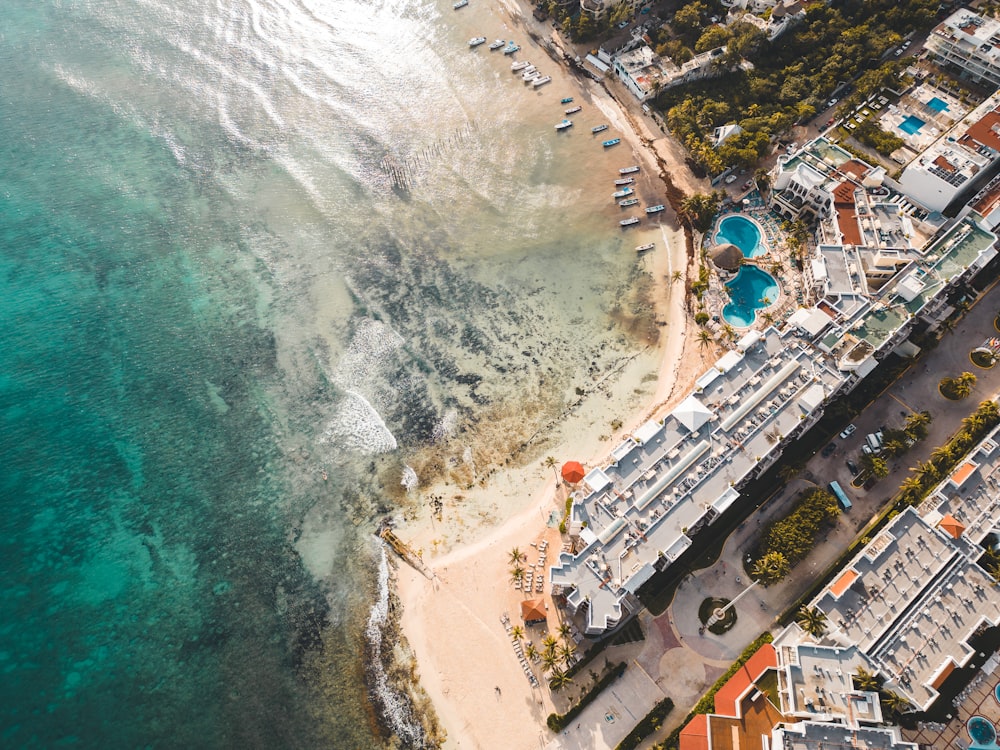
(530, 651)
(516, 574)
(564, 630)
(941, 455)
(788, 472)
(894, 702)
(911, 485)
(989, 410)
(812, 620)
(550, 642)
(916, 424)
(924, 469)
(516, 633)
(865, 680)
(704, 338)
(551, 462)
(771, 568)
(559, 680)
(549, 661)
(566, 652)
(676, 276)
(964, 384)
(516, 557)
(768, 317)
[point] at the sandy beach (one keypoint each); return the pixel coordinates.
(452, 623)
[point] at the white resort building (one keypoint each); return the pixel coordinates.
(882, 270)
(970, 43)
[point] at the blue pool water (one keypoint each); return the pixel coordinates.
(938, 105)
(982, 732)
(911, 125)
(747, 293)
(743, 233)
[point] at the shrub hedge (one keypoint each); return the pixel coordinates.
(558, 722)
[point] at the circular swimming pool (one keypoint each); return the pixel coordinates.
(742, 232)
(751, 290)
(982, 731)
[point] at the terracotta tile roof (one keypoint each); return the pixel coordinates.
(962, 473)
(694, 736)
(942, 162)
(985, 131)
(726, 700)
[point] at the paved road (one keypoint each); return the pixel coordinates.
(674, 644)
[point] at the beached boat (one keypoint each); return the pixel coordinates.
(655, 209)
(598, 128)
(573, 110)
(629, 221)
(519, 65)
(510, 49)
(628, 170)
(477, 40)
(612, 142)
(625, 181)
(567, 100)
(497, 44)
(628, 202)
(644, 248)
(460, 4)
(541, 81)
(564, 124)
(529, 73)
(622, 193)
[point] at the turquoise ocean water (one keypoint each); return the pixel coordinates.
(254, 257)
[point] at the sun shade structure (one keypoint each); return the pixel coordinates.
(692, 413)
(726, 256)
(951, 525)
(572, 471)
(533, 610)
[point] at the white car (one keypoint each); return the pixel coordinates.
(730, 179)
(848, 431)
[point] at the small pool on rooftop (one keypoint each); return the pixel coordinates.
(982, 732)
(751, 290)
(742, 232)
(911, 125)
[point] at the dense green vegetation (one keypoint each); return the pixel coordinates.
(870, 134)
(786, 541)
(707, 703)
(791, 78)
(558, 722)
(650, 723)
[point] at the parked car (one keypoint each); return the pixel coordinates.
(730, 179)
(748, 184)
(848, 431)
(829, 449)
(832, 103)
(852, 467)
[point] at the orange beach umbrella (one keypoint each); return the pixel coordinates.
(572, 471)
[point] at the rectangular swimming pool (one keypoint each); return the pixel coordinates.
(938, 105)
(911, 125)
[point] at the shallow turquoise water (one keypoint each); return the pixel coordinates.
(743, 233)
(226, 331)
(751, 290)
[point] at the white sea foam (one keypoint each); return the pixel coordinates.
(359, 427)
(395, 708)
(410, 480)
(447, 426)
(372, 344)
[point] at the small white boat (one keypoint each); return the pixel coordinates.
(629, 221)
(625, 181)
(573, 110)
(628, 202)
(598, 128)
(623, 193)
(541, 81)
(644, 248)
(529, 71)
(519, 65)
(477, 40)
(655, 209)
(564, 124)
(460, 4)
(529, 77)
(510, 49)
(628, 170)
(497, 44)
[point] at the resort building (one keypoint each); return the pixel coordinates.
(968, 42)
(672, 477)
(958, 162)
(914, 597)
(644, 73)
